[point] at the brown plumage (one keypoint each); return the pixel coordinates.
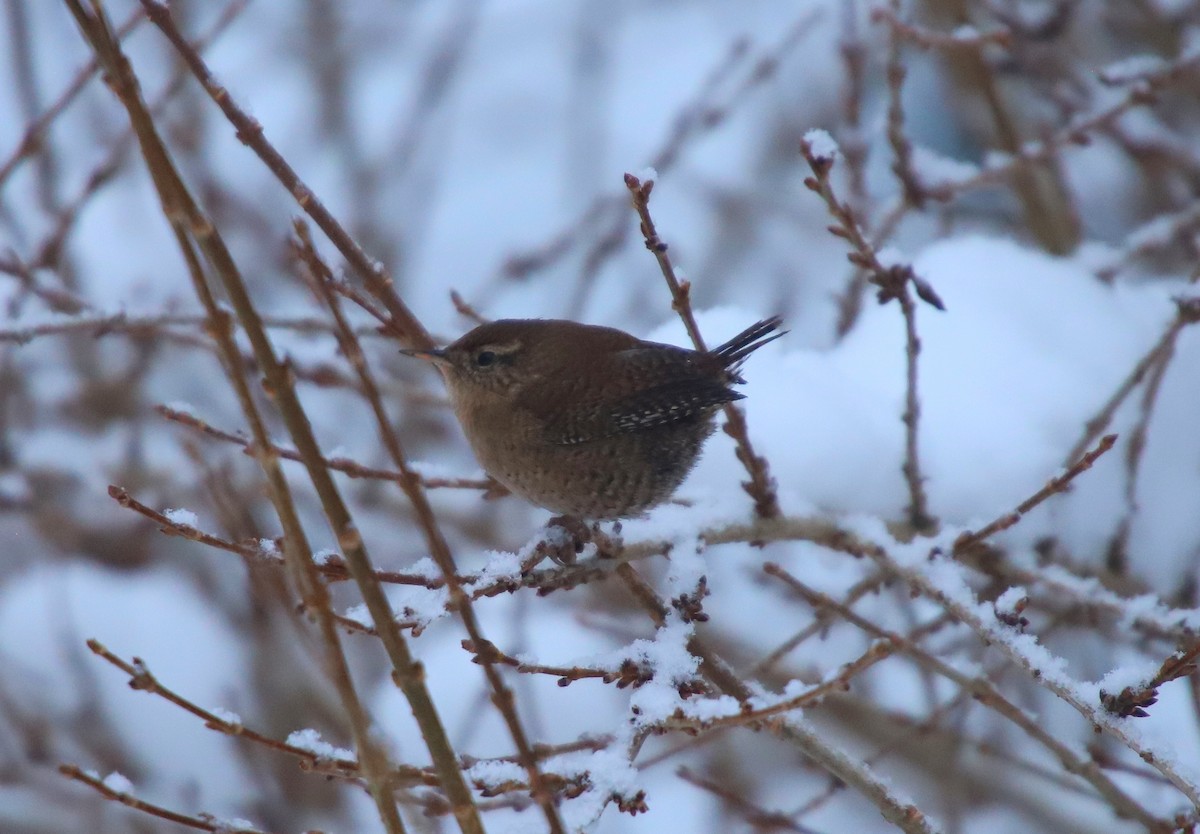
(589, 421)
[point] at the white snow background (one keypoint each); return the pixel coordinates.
(466, 134)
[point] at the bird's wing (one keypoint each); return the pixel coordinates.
(645, 387)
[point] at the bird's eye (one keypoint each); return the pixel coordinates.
(485, 358)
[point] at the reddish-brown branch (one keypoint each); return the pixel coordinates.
(35, 130)
(761, 486)
(409, 329)
(979, 688)
(319, 276)
(202, 822)
(1054, 486)
(893, 283)
(351, 468)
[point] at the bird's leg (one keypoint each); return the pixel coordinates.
(566, 536)
(608, 545)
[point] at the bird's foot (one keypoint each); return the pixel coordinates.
(565, 537)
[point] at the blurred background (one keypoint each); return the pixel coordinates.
(1038, 163)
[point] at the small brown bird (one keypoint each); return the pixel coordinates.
(588, 421)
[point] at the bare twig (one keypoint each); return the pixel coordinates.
(99, 326)
(1134, 450)
(1052, 487)
(902, 165)
(202, 822)
(906, 816)
(1153, 236)
(34, 133)
(465, 309)
(628, 673)
(853, 50)
(893, 282)
(409, 329)
(410, 483)
(1078, 131)
(1187, 312)
(719, 95)
(758, 818)
(193, 230)
(761, 486)
(332, 568)
(981, 690)
(967, 38)
(349, 467)
(141, 679)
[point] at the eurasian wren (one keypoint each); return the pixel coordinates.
(588, 421)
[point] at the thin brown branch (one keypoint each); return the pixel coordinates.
(907, 817)
(193, 230)
(1155, 235)
(99, 326)
(967, 38)
(719, 96)
(758, 818)
(850, 300)
(57, 298)
(1053, 487)
(410, 484)
(840, 682)
(408, 328)
(819, 625)
(1135, 448)
(202, 822)
(142, 680)
(347, 466)
(366, 302)
(893, 282)
(332, 568)
(761, 486)
(34, 134)
(911, 187)
(629, 673)
(1187, 312)
(981, 690)
(855, 148)
(465, 309)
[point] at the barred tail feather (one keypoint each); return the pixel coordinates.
(749, 340)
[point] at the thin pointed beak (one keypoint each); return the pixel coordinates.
(438, 357)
